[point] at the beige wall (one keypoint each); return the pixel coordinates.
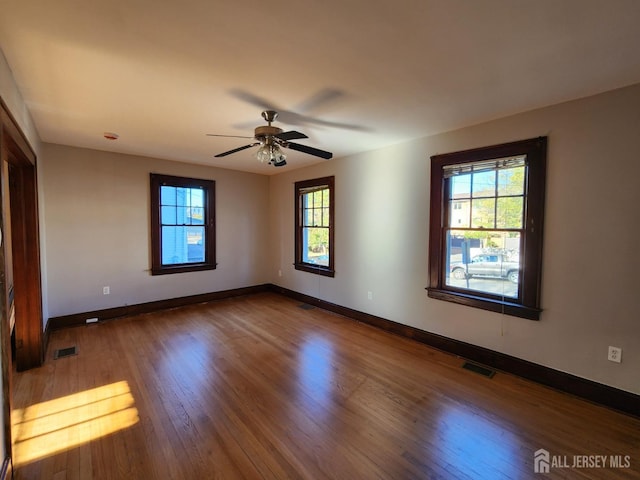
(97, 221)
(591, 260)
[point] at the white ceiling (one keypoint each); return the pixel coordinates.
(353, 75)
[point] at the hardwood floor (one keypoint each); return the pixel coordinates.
(256, 387)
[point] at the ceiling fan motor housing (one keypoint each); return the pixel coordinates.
(266, 131)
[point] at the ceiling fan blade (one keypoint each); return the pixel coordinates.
(237, 150)
(324, 96)
(310, 150)
(292, 135)
(252, 99)
(228, 136)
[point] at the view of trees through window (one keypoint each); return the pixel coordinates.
(315, 232)
(485, 218)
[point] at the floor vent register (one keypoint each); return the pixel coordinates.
(65, 352)
(479, 369)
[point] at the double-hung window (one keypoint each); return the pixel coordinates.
(314, 200)
(486, 227)
(182, 224)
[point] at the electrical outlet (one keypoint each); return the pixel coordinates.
(279, 273)
(370, 295)
(615, 354)
(106, 290)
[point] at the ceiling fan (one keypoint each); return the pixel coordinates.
(271, 140)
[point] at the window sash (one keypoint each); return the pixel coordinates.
(503, 211)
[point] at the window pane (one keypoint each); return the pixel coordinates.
(509, 212)
(195, 244)
(459, 213)
(168, 215)
(486, 262)
(316, 246)
(511, 181)
(325, 216)
(174, 245)
(182, 245)
(308, 217)
(196, 214)
(483, 213)
(317, 217)
(183, 215)
(167, 195)
(484, 184)
(182, 196)
(197, 197)
(461, 186)
(324, 195)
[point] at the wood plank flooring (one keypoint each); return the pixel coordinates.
(256, 387)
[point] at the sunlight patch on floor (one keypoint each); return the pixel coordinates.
(54, 426)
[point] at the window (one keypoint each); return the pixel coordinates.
(182, 224)
(314, 226)
(485, 241)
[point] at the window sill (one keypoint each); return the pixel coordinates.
(183, 268)
(317, 269)
(499, 306)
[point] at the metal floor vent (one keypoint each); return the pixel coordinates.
(306, 306)
(65, 352)
(479, 369)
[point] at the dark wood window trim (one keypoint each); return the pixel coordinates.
(300, 188)
(528, 303)
(157, 181)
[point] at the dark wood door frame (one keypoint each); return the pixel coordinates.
(26, 264)
(22, 199)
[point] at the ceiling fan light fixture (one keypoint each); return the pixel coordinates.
(263, 153)
(271, 153)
